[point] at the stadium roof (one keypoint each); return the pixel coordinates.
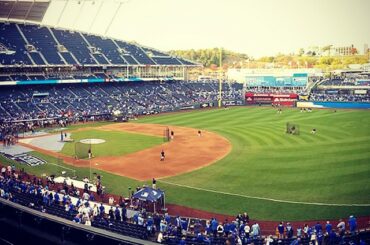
(23, 10)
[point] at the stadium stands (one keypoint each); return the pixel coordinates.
(35, 45)
(131, 98)
(14, 43)
(43, 41)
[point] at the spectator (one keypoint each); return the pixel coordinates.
(341, 227)
(328, 227)
(352, 223)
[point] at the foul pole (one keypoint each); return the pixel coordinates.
(220, 81)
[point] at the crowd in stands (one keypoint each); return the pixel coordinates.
(93, 100)
(322, 96)
(347, 80)
(79, 206)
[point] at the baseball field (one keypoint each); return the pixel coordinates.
(252, 166)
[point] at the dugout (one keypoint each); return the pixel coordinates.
(152, 200)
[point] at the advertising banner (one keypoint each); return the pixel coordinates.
(269, 98)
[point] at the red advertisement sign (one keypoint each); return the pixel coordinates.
(272, 99)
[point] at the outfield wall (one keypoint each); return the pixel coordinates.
(338, 105)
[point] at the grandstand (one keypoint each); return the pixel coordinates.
(131, 98)
(347, 87)
(42, 46)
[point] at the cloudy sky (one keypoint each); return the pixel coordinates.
(255, 27)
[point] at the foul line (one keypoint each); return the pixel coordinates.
(267, 199)
(61, 166)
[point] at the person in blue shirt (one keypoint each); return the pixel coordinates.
(32, 189)
(56, 198)
(45, 200)
(232, 226)
(71, 208)
(78, 202)
(167, 218)
(117, 214)
(77, 219)
(309, 231)
(318, 227)
(124, 214)
(328, 227)
(296, 241)
(150, 224)
(352, 224)
(200, 237)
(241, 227)
(226, 227)
(64, 200)
(135, 218)
(184, 225)
(320, 238)
(182, 241)
(214, 225)
(281, 230)
(101, 209)
(333, 239)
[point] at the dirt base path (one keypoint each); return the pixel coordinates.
(185, 153)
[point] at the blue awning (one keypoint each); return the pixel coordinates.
(148, 194)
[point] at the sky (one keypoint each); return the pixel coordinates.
(255, 27)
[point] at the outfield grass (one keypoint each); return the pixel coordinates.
(117, 142)
(332, 166)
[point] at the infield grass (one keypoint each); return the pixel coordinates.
(117, 142)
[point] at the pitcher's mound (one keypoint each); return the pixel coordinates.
(92, 141)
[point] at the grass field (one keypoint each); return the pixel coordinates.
(331, 167)
(117, 142)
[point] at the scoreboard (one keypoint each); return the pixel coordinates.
(294, 80)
